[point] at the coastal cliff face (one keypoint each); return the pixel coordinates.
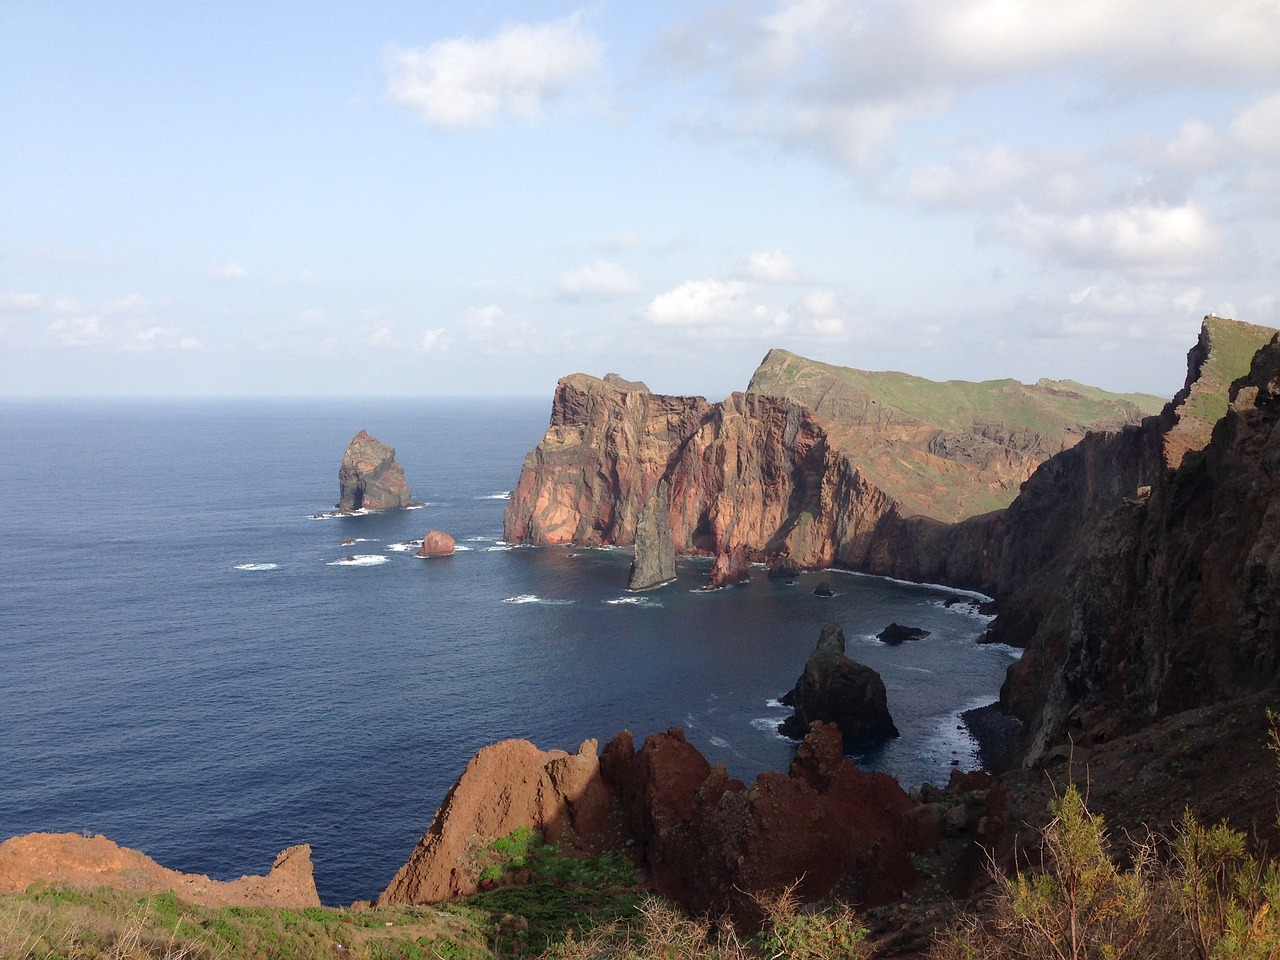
(1148, 560)
(871, 482)
(369, 477)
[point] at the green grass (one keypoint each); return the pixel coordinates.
(1231, 349)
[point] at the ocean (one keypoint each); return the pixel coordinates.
(192, 665)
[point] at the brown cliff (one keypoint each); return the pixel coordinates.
(1148, 582)
(369, 477)
(72, 860)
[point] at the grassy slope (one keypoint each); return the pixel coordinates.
(1231, 348)
(885, 422)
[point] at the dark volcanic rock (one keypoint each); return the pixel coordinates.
(896, 633)
(835, 689)
(369, 477)
(823, 589)
(784, 568)
(655, 552)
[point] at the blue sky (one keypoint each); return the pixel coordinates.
(440, 198)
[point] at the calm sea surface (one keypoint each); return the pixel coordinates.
(190, 665)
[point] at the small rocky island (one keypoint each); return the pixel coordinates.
(654, 563)
(437, 543)
(838, 690)
(369, 477)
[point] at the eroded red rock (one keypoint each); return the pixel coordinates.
(436, 543)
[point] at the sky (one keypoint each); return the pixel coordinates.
(428, 198)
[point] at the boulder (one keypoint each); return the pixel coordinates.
(838, 690)
(72, 860)
(823, 589)
(732, 566)
(783, 568)
(436, 543)
(369, 477)
(896, 633)
(655, 552)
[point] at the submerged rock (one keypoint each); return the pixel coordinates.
(838, 690)
(655, 553)
(369, 477)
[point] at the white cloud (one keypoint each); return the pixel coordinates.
(227, 273)
(1257, 127)
(462, 83)
(1161, 240)
(21, 302)
(79, 331)
(600, 279)
(482, 320)
(770, 266)
(434, 341)
(618, 243)
(699, 302)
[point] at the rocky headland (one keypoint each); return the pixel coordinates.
(369, 478)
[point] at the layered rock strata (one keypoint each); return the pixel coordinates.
(369, 477)
(654, 563)
(72, 860)
(837, 690)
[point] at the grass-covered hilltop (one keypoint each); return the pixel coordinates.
(1135, 813)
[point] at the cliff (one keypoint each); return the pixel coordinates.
(369, 477)
(868, 479)
(1163, 595)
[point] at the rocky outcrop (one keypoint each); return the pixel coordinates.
(506, 785)
(1165, 593)
(701, 837)
(654, 563)
(840, 691)
(895, 634)
(437, 543)
(369, 477)
(731, 566)
(72, 860)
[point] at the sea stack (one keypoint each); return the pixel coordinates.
(655, 557)
(838, 690)
(436, 543)
(369, 477)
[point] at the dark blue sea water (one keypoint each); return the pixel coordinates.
(188, 666)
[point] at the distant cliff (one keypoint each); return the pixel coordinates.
(768, 475)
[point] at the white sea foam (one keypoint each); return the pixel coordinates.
(534, 598)
(257, 566)
(634, 602)
(775, 704)
(499, 548)
(416, 506)
(501, 495)
(357, 540)
(404, 547)
(459, 548)
(981, 597)
(360, 560)
(481, 540)
(1014, 653)
(720, 742)
(768, 725)
(338, 514)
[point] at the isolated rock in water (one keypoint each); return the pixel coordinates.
(783, 568)
(506, 785)
(838, 690)
(72, 860)
(655, 557)
(436, 543)
(732, 566)
(896, 633)
(370, 478)
(823, 589)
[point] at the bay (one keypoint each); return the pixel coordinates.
(189, 665)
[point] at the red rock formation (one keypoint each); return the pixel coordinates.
(436, 544)
(369, 477)
(506, 785)
(71, 860)
(731, 566)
